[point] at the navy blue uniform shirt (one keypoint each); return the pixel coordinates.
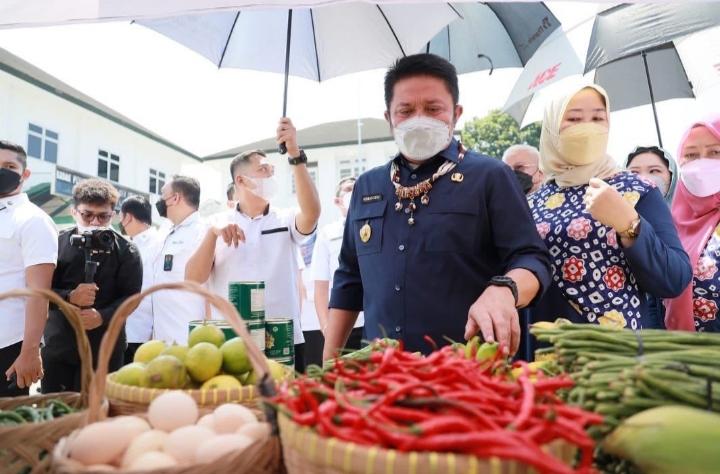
(419, 280)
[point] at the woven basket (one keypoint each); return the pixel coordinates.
(128, 400)
(306, 452)
(26, 447)
(260, 458)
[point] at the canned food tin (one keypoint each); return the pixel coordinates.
(279, 341)
(257, 333)
(227, 330)
(289, 361)
(248, 297)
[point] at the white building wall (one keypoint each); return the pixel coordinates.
(81, 134)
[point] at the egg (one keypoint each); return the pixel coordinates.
(153, 460)
(182, 443)
(258, 431)
(172, 410)
(134, 423)
(229, 417)
(208, 421)
(100, 443)
(221, 445)
(152, 440)
(101, 468)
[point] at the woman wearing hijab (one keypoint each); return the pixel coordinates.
(659, 167)
(609, 232)
(656, 165)
(696, 211)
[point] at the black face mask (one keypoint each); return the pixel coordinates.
(525, 181)
(161, 207)
(9, 181)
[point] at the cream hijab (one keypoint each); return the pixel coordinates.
(553, 164)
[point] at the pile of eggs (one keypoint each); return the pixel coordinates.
(172, 435)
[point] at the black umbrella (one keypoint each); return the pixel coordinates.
(633, 38)
(494, 35)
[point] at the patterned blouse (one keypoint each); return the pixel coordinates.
(589, 267)
(706, 286)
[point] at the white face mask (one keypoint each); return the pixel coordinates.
(346, 200)
(421, 138)
(263, 187)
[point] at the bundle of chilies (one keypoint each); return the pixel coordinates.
(443, 402)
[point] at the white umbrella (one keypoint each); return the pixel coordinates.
(315, 43)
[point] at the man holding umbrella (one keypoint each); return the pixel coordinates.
(439, 241)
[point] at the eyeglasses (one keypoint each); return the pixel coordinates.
(102, 218)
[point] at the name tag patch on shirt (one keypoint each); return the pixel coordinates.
(371, 198)
(274, 231)
(167, 264)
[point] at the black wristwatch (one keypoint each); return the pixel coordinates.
(507, 282)
(299, 160)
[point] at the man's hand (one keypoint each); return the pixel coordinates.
(84, 295)
(27, 367)
(607, 206)
(231, 234)
(91, 319)
(494, 314)
(287, 134)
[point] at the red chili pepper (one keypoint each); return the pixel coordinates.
(460, 442)
(443, 424)
(404, 415)
(391, 397)
(305, 419)
(528, 400)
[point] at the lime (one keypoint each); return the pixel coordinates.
(203, 361)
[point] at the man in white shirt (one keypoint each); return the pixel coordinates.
(260, 242)
(525, 162)
(324, 263)
(28, 255)
(136, 223)
(173, 310)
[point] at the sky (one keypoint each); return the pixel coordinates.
(183, 97)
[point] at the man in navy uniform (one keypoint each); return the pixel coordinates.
(440, 240)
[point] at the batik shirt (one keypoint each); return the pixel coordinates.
(706, 286)
(589, 266)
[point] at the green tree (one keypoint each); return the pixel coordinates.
(496, 132)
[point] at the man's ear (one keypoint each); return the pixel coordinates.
(458, 112)
(26, 174)
(337, 201)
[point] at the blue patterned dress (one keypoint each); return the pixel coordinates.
(706, 286)
(595, 280)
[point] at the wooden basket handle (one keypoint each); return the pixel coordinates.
(118, 320)
(72, 314)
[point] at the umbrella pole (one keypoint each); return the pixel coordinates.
(282, 148)
(652, 98)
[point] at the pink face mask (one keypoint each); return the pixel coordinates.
(701, 177)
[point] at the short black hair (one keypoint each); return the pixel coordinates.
(188, 187)
(19, 151)
(424, 64)
(95, 191)
(231, 192)
(139, 207)
(243, 159)
(648, 149)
